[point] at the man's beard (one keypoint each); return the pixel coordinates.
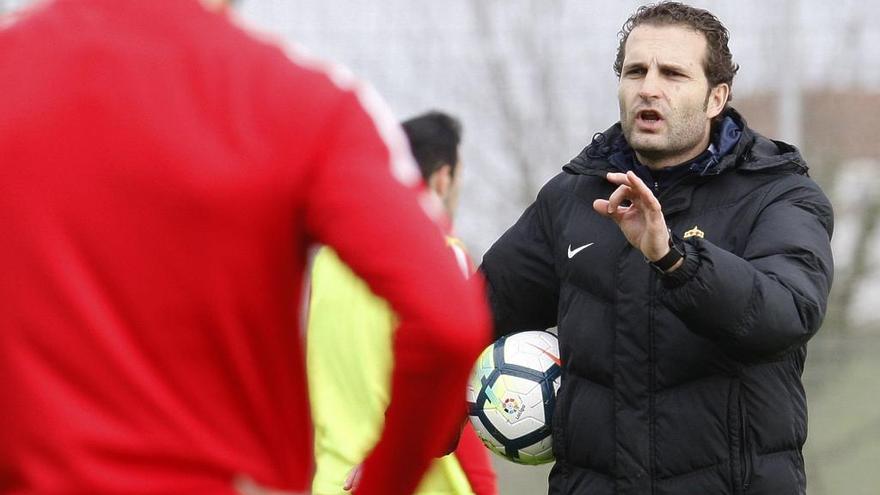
(681, 137)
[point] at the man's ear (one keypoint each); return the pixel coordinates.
(717, 100)
(441, 181)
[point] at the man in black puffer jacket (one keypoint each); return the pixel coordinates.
(686, 261)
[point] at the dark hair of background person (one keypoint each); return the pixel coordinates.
(433, 138)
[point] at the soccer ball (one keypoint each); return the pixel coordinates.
(512, 393)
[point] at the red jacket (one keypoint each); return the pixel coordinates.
(473, 457)
(162, 176)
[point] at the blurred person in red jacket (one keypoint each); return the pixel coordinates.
(164, 175)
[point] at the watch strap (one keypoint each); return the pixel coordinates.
(670, 259)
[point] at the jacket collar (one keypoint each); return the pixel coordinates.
(735, 146)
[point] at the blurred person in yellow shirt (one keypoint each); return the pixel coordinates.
(349, 383)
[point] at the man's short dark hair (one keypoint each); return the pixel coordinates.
(433, 138)
(718, 65)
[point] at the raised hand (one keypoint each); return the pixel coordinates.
(641, 221)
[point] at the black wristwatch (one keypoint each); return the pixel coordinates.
(665, 263)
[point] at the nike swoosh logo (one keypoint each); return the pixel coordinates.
(549, 354)
(571, 252)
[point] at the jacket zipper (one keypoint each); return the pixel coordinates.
(745, 450)
(681, 180)
(653, 381)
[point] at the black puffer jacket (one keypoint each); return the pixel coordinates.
(688, 383)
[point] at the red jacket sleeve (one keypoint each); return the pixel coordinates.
(474, 460)
(470, 452)
(366, 200)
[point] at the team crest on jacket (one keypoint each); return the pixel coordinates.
(694, 232)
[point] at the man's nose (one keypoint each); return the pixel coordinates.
(651, 85)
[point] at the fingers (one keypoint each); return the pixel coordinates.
(643, 191)
(617, 178)
(632, 189)
(354, 478)
(619, 195)
(603, 206)
(637, 191)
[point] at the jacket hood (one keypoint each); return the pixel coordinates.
(734, 146)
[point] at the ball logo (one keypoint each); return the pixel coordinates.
(513, 407)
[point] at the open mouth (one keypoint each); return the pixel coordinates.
(649, 116)
(649, 120)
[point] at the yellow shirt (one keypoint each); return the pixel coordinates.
(349, 359)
